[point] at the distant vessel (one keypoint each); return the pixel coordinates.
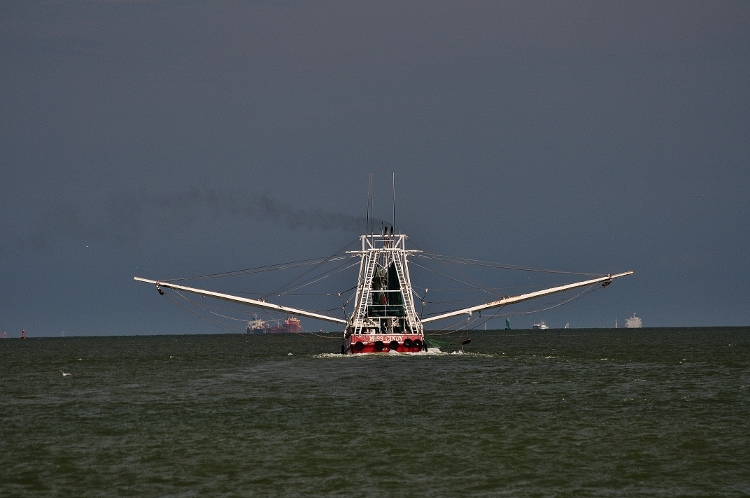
(540, 325)
(633, 322)
(290, 326)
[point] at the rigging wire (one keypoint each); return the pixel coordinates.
(195, 313)
(334, 257)
(222, 326)
(212, 309)
(454, 327)
(476, 285)
(257, 269)
(489, 264)
(207, 309)
(451, 278)
(275, 267)
(467, 261)
(338, 269)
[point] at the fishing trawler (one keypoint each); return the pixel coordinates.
(384, 318)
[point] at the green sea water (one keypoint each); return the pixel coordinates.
(649, 412)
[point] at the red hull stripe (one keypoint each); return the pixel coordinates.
(385, 343)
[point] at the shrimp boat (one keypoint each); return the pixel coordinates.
(384, 318)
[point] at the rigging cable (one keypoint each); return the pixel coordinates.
(489, 264)
(274, 267)
(451, 329)
(335, 256)
(195, 313)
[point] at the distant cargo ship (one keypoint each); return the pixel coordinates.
(633, 322)
(290, 326)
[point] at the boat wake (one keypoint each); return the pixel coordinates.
(390, 354)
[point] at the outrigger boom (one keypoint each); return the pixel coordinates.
(605, 281)
(240, 300)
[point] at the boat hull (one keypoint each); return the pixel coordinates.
(383, 343)
(274, 330)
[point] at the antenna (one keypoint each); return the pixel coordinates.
(368, 223)
(393, 184)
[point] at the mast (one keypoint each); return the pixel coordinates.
(368, 223)
(393, 187)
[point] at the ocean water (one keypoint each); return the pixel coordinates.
(649, 412)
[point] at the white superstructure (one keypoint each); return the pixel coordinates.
(634, 322)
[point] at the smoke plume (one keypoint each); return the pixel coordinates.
(127, 217)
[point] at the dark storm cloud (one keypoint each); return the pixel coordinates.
(554, 134)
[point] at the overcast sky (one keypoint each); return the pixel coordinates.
(170, 138)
